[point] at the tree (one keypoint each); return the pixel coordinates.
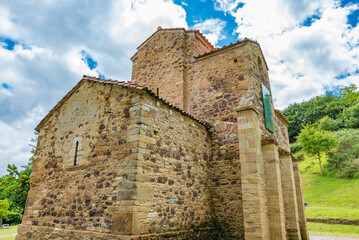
(4, 210)
(14, 188)
(328, 124)
(315, 141)
(344, 162)
(351, 116)
(333, 104)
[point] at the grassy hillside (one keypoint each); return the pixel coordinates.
(330, 197)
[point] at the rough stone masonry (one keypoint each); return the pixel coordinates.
(190, 148)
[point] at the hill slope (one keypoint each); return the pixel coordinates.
(330, 197)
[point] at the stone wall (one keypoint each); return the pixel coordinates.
(281, 128)
(141, 169)
(50, 233)
(161, 61)
(80, 197)
(300, 201)
(175, 159)
(215, 86)
(159, 64)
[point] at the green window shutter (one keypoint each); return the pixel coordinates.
(268, 114)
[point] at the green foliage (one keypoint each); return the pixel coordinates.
(295, 147)
(328, 124)
(337, 112)
(14, 188)
(315, 141)
(309, 165)
(351, 116)
(333, 105)
(344, 162)
(4, 210)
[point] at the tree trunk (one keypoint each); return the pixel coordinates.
(320, 164)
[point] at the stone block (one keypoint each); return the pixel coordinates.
(130, 185)
(144, 194)
(138, 177)
(126, 194)
(122, 223)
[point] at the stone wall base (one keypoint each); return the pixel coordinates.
(38, 233)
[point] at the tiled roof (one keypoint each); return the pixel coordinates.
(119, 83)
(281, 115)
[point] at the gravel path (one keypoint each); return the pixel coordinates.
(331, 238)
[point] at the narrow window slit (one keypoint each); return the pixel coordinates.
(77, 147)
(158, 92)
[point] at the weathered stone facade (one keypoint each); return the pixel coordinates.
(180, 152)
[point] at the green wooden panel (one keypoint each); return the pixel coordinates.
(268, 113)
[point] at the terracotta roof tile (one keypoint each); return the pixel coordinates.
(281, 115)
(203, 37)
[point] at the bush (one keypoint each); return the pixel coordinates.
(351, 116)
(344, 162)
(328, 124)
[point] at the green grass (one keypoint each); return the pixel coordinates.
(5, 232)
(333, 230)
(330, 197)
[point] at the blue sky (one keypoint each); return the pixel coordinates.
(311, 46)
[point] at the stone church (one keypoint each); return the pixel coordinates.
(190, 148)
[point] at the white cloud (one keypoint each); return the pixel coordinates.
(7, 26)
(212, 29)
(15, 138)
(46, 61)
(226, 5)
(303, 60)
(131, 19)
(77, 65)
